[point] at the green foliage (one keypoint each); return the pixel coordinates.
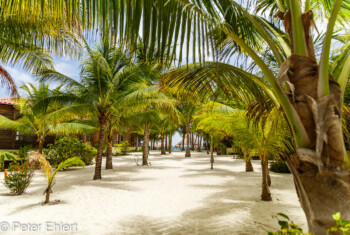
(287, 226)
(342, 226)
(19, 177)
(67, 147)
(123, 146)
(279, 167)
(22, 153)
(5, 157)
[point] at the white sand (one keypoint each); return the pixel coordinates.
(173, 196)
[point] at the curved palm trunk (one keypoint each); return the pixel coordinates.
(211, 154)
(265, 194)
(170, 142)
(188, 150)
(248, 163)
(101, 140)
(162, 150)
(321, 176)
(109, 159)
(145, 145)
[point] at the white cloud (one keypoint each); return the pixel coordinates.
(20, 77)
(68, 67)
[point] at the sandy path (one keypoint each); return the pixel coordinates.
(173, 196)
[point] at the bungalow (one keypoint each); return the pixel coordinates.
(14, 140)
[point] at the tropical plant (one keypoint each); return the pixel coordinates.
(19, 177)
(50, 172)
(44, 121)
(309, 96)
(268, 138)
(287, 226)
(106, 78)
(187, 109)
(67, 147)
(342, 226)
(279, 166)
(4, 157)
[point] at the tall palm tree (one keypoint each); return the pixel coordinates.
(105, 80)
(167, 23)
(268, 138)
(309, 96)
(187, 109)
(42, 122)
(149, 103)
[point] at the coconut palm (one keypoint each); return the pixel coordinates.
(106, 78)
(43, 122)
(303, 88)
(268, 138)
(187, 110)
(49, 172)
(149, 103)
(167, 23)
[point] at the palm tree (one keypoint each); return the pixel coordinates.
(149, 103)
(268, 138)
(42, 122)
(303, 88)
(105, 80)
(49, 172)
(187, 110)
(168, 23)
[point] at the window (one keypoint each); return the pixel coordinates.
(19, 137)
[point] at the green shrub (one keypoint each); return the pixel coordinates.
(68, 147)
(123, 146)
(279, 167)
(342, 226)
(22, 153)
(6, 157)
(19, 177)
(287, 226)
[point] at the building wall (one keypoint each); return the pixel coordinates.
(12, 139)
(7, 137)
(117, 139)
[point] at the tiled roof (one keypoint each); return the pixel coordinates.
(9, 101)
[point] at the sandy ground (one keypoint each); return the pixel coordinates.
(173, 196)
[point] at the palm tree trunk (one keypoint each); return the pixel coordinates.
(109, 160)
(248, 164)
(265, 195)
(211, 154)
(101, 141)
(188, 151)
(166, 142)
(145, 145)
(170, 142)
(183, 141)
(321, 176)
(41, 145)
(47, 195)
(162, 150)
(218, 150)
(137, 144)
